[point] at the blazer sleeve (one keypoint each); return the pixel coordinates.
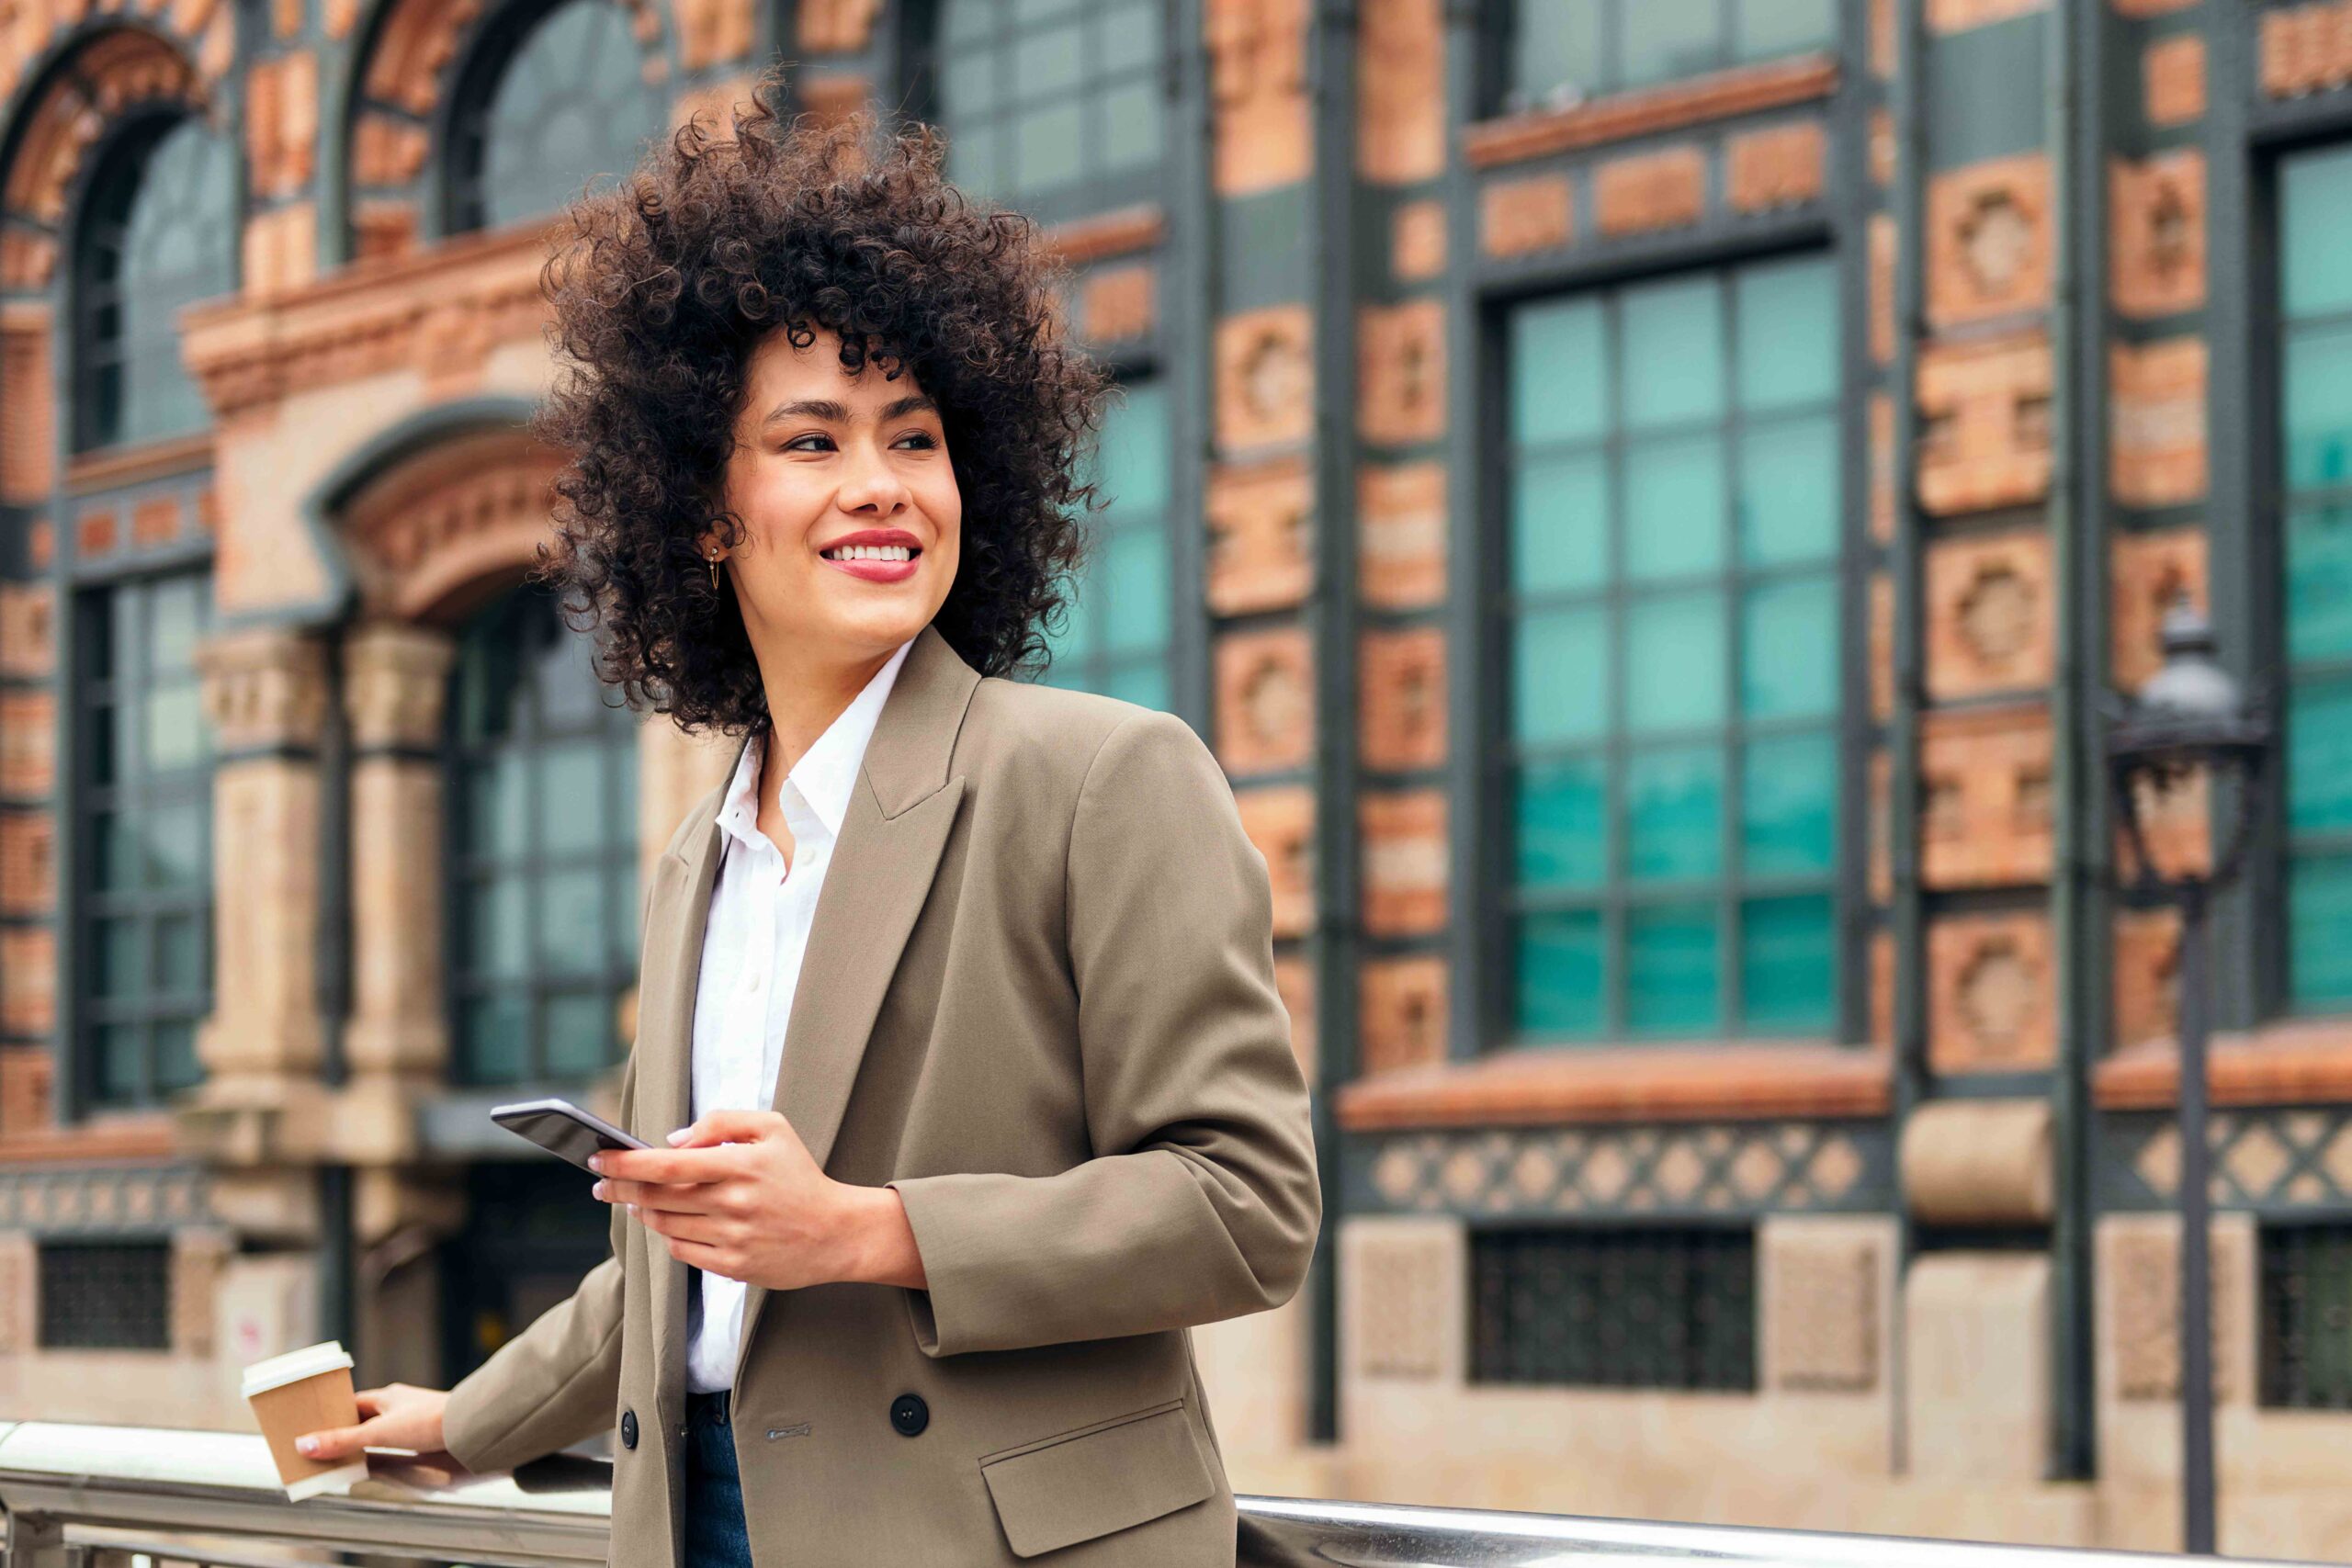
(555, 1383)
(1202, 1200)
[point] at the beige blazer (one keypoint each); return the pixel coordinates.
(1039, 1000)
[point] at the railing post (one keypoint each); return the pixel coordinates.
(35, 1541)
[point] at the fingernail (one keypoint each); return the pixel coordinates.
(680, 1135)
(597, 1162)
(630, 1207)
(599, 1190)
(307, 1445)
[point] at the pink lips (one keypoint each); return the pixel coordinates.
(876, 570)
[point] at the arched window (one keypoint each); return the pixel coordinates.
(1051, 104)
(158, 234)
(549, 100)
(1116, 638)
(542, 792)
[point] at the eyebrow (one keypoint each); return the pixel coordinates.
(835, 412)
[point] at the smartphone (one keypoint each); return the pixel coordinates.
(563, 1129)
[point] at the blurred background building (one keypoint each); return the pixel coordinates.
(1646, 498)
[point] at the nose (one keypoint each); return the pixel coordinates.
(870, 486)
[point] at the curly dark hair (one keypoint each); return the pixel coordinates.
(664, 285)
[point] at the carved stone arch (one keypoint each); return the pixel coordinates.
(397, 102)
(449, 523)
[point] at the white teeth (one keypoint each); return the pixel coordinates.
(870, 552)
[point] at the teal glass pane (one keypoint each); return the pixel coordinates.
(1787, 334)
(1788, 809)
(118, 957)
(974, 159)
(1559, 372)
(178, 246)
(2316, 230)
(1674, 813)
(2319, 756)
(2319, 918)
(1046, 63)
(1662, 39)
(1131, 125)
(115, 849)
(1768, 27)
(571, 107)
(1128, 38)
(622, 905)
(1671, 984)
(175, 836)
(174, 728)
(1556, 979)
(1048, 145)
(1560, 667)
(579, 1033)
(967, 84)
(177, 1067)
(1788, 956)
(1789, 495)
(571, 922)
(1559, 523)
(1674, 506)
(1556, 43)
(121, 1051)
(2318, 581)
(495, 927)
(968, 21)
(1674, 664)
(492, 1036)
(1028, 11)
(1562, 809)
(1674, 352)
(175, 608)
(1134, 567)
(571, 810)
(1133, 465)
(1788, 649)
(1144, 684)
(179, 954)
(2318, 413)
(497, 821)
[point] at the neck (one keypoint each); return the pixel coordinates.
(807, 690)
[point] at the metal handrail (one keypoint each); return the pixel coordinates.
(72, 1491)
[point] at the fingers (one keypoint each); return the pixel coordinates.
(333, 1442)
(677, 1227)
(644, 1195)
(729, 1127)
(673, 1166)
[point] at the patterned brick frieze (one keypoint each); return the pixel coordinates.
(2151, 572)
(1400, 1012)
(1985, 422)
(113, 73)
(1400, 515)
(281, 122)
(458, 513)
(27, 1078)
(1265, 700)
(1257, 94)
(1990, 614)
(833, 27)
(1405, 862)
(1401, 688)
(2306, 48)
(1522, 217)
(1118, 304)
(1417, 241)
(2138, 1297)
(1280, 824)
(1785, 166)
(2264, 1158)
(1401, 372)
(1989, 240)
(27, 630)
(27, 861)
(1650, 191)
(1824, 1292)
(1985, 792)
(2145, 957)
(1992, 993)
(1400, 91)
(2157, 447)
(2156, 233)
(103, 1199)
(1265, 378)
(1403, 1312)
(1261, 517)
(1958, 16)
(1729, 1168)
(2172, 80)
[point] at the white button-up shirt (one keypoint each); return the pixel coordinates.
(760, 915)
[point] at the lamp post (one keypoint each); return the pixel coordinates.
(2190, 724)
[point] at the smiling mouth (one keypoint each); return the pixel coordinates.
(872, 552)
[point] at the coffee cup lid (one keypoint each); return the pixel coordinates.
(294, 1366)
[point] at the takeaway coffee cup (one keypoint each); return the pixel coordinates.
(302, 1391)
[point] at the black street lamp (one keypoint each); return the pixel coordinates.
(2190, 725)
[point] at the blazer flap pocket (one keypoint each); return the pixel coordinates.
(1097, 1480)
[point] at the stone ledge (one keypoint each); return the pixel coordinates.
(2297, 1062)
(1091, 238)
(141, 1136)
(1629, 1083)
(1617, 116)
(115, 466)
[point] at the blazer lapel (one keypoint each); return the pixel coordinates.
(892, 837)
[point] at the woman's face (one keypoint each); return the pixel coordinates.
(828, 466)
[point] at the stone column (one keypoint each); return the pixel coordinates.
(265, 691)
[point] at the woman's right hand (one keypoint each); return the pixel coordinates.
(400, 1416)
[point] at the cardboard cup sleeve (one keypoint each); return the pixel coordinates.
(302, 1391)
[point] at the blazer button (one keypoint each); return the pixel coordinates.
(628, 1428)
(910, 1415)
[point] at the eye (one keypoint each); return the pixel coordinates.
(923, 435)
(793, 445)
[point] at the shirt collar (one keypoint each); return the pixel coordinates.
(816, 792)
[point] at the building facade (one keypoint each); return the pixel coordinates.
(1646, 499)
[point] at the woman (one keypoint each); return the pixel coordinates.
(956, 1004)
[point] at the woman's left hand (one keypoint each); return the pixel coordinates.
(738, 1194)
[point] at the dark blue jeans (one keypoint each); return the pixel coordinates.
(715, 1534)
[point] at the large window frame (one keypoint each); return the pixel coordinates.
(1603, 23)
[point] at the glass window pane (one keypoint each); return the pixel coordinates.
(2319, 909)
(571, 105)
(493, 1037)
(1135, 582)
(1560, 676)
(2318, 414)
(1563, 824)
(1556, 43)
(174, 728)
(1787, 334)
(1674, 352)
(2319, 583)
(175, 842)
(1769, 28)
(1790, 497)
(2315, 241)
(121, 1052)
(176, 606)
(1674, 821)
(118, 957)
(1557, 965)
(1131, 128)
(1144, 684)
(1134, 463)
(1674, 507)
(177, 1067)
(1674, 664)
(580, 1038)
(116, 837)
(622, 905)
(1789, 805)
(1559, 369)
(497, 821)
(1559, 523)
(495, 929)
(1788, 962)
(973, 157)
(571, 809)
(1662, 39)
(179, 954)
(1047, 145)
(1128, 39)
(1047, 62)
(1670, 980)
(1789, 668)
(2319, 757)
(571, 916)
(967, 84)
